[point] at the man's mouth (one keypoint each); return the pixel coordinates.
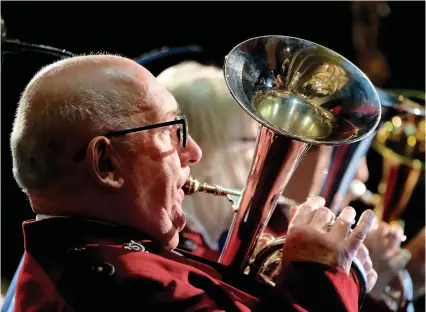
(184, 178)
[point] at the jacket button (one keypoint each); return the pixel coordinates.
(105, 269)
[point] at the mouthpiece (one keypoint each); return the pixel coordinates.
(193, 186)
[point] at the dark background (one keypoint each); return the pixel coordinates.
(133, 28)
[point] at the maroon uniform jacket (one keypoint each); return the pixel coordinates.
(80, 265)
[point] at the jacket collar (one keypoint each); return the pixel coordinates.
(56, 232)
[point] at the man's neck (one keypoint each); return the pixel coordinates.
(51, 206)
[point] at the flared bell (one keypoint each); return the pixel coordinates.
(302, 90)
(302, 94)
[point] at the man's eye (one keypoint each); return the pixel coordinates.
(167, 129)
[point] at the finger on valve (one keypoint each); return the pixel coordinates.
(357, 236)
(322, 218)
(341, 227)
(303, 214)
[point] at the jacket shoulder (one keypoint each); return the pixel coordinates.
(114, 277)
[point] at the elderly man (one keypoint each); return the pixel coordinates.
(99, 147)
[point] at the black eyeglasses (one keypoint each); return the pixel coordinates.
(181, 132)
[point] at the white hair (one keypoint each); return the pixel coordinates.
(214, 117)
(50, 119)
(218, 125)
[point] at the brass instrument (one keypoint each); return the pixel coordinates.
(302, 94)
(193, 186)
(333, 170)
(400, 142)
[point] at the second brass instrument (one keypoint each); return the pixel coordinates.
(302, 94)
(400, 141)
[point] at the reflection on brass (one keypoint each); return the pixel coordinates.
(328, 79)
(401, 143)
(296, 115)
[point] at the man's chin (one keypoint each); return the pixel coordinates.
(172, 243)
(179, 223)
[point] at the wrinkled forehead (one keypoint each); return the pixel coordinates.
(156, 104)
(160, 105)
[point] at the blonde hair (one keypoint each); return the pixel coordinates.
(218, 124)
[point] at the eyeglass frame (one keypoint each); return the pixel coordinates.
(182, 133)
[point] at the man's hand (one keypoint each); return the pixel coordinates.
(311, 237)
(416, 266)
(363, 256)
(384, 241)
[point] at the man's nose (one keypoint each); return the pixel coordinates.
(191, 154)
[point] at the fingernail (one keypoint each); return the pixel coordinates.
(320, 200)
(316, 202)
(349, 215)
(370, 216)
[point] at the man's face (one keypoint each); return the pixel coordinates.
(157, 166)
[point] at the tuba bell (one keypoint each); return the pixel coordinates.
(400, 142)
(302, 94)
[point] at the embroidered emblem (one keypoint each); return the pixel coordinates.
(76, 249)
(135, 246)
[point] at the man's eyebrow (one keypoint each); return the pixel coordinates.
(173, 113)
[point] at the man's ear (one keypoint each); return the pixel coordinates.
(103, 163)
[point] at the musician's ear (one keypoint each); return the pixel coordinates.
(104, 163)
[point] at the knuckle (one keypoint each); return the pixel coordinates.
(342, 222)
(358, 235)
(368, 261)
(365, 249)
(319, 201)
(323, 211)
(368, 265)
(305, 206)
